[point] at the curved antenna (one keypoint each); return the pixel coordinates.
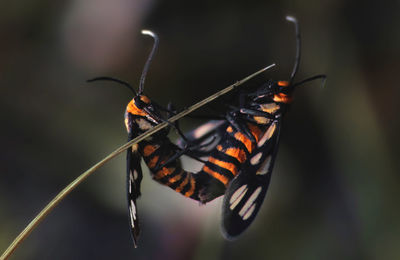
(126, 84)
(149, 59)
(292, 19)
(321, 76)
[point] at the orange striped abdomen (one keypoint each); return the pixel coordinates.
(228, 158)
(172, 175)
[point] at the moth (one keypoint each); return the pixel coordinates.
(239, 156)
(141, 114)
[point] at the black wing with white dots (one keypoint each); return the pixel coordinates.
(134, 177)
(247, 191)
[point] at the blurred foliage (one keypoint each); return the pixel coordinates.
(335, 186)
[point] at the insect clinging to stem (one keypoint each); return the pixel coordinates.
(141, 114)
(241, 156)
(157, 150)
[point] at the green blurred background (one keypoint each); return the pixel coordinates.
(335, 188)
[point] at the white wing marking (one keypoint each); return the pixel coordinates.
(249, 202)
(237, 196)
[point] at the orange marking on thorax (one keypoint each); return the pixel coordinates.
(245, 140)
(149, 149)
(134, 110)
(216, 175)
(192, 186)
(145, 99)
(226, 165)
(229, 129)
(283, 83)
(283, 98)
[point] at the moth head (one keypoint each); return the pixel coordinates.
(141, 101)
(141, 106)
(273, 91)
(141, 114)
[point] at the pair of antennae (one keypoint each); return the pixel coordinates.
(156, 43)
(145, 68)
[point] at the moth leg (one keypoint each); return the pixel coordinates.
(185, 151)
(243, 129)
(189, 145)
(255, 112)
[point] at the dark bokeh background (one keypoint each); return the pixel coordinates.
(335, 189)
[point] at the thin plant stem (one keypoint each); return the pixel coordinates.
(49, 207)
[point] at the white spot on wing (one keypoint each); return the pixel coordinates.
(132, 212)
(237, 196)
(135, 174)
(265, 166)
(204, 129)
(256, 159)
(268, 134)
(135, 147)
(143, 124)
(127, 124)
(249, 203)
(270, 107)
(130, 181)
(249, 212)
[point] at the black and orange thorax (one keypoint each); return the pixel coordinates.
(236, 148)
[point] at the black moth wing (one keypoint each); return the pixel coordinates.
(246, 192)
(134, 177)
(204, 138)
